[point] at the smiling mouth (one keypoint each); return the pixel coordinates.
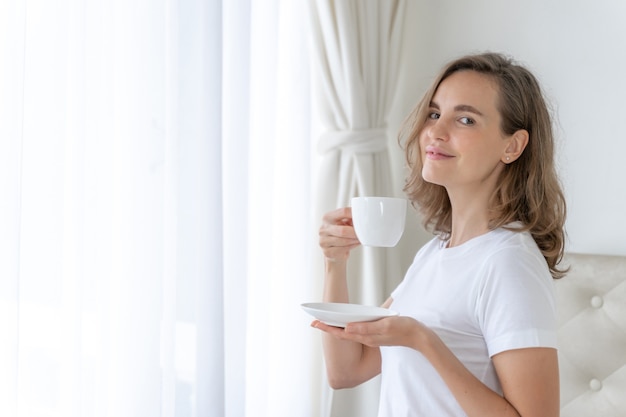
(436, 155)
(434, 152)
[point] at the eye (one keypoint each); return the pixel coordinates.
(433, 115)
(467, 121)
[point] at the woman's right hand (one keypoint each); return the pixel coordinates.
(337, 235)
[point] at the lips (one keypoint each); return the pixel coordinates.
(433, 152)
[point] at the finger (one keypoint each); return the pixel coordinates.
(339, 216)
(338, 238)
(333, 330)
(360, 337)
(360, 328)
(344, 232)
(370, 328)
(341, 333)
(329, 242)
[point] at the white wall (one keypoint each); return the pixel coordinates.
(577, 49)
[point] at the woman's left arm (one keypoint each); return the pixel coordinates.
(530, 380)
(529, 377)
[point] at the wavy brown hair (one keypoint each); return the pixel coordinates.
(528, 190)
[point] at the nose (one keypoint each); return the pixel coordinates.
(437, 129)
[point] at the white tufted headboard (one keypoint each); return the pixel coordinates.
(591, 303)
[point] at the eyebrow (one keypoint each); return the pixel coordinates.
(460, 107)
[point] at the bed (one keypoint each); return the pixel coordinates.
(591, 303)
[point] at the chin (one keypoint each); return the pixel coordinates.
(432, 179)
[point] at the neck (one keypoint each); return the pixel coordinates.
(470, 216)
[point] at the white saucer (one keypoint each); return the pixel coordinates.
(340, 314)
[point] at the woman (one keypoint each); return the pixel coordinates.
(476, 334)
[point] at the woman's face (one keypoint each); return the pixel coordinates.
(461, 143)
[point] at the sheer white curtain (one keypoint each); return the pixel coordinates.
(357, 56)
(155, 220)
(274, 142)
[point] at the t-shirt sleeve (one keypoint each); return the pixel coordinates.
(516, 307)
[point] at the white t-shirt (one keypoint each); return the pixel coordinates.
(491, 294)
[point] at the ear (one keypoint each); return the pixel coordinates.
(517, 144)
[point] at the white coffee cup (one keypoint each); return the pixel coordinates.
(378, 221)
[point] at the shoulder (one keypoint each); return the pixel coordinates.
(510, 249)
(514, 268)
(516, 303)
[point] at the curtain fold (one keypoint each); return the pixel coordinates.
(235, 60)
(12, 18)
(279, 213)
(357, 47)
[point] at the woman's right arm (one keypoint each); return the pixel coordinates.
(348, 363)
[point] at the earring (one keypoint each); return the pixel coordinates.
(508, 158)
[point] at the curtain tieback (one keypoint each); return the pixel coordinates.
(353, 141)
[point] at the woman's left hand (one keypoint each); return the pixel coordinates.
(390, 331)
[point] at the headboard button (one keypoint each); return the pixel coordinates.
(596, 301)
(595, 385)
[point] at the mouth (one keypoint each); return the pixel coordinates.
(435, 153)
